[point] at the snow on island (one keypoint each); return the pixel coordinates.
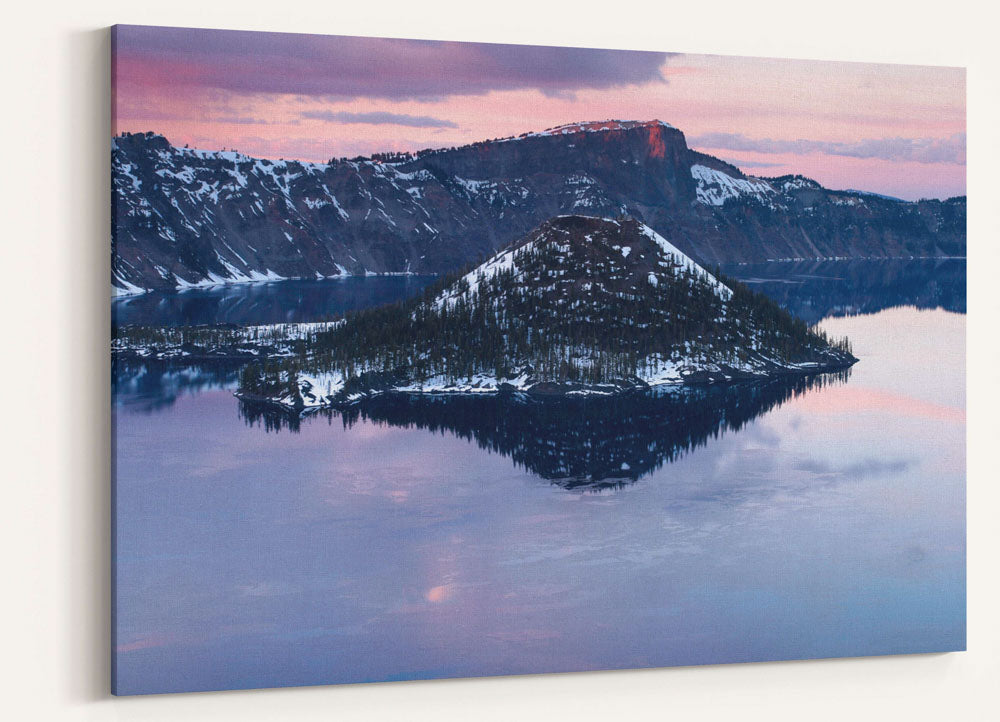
(562, 311)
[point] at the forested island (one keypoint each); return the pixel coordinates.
(581, 305)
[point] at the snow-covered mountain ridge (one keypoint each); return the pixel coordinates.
(183, 217)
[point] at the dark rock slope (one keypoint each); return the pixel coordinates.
(184, 216)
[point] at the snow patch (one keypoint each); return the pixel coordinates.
(715, 187)
(721, 290)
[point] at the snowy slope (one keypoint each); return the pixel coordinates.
(668, 258)
(186, 217)
(716, 187)
(582, 305)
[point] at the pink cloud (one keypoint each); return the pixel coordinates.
(920, 150)
(873, 127)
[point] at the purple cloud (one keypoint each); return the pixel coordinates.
(921, 150)
(378, 118)
(351, 67)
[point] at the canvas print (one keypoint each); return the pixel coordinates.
(445, 359)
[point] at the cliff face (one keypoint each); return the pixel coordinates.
(183, 216)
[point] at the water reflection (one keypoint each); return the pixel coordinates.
(814, 290)
(592, 443)
(809, 289)
(283, 302)
(156, 385)
(831, 526)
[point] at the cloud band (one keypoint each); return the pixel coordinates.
(950, 149)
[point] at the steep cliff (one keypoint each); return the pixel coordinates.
(185, 217)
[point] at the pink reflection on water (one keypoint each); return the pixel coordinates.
(440, 593)
(855, 399)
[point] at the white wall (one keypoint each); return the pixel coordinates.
(55, 525)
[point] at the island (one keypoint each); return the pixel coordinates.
(580, 306)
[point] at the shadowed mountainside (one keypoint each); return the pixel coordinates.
(186, 217)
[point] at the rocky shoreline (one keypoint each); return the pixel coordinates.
(309, 396)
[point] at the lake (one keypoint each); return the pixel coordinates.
(292, 301)
(426, 537)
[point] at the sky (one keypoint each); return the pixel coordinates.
(893, 129)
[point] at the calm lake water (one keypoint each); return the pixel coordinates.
(283, 302)
(427, 538)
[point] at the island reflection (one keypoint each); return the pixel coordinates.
(575, 442)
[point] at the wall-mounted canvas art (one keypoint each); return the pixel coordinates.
(444, 359)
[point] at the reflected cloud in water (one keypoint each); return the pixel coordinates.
(417, 536)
